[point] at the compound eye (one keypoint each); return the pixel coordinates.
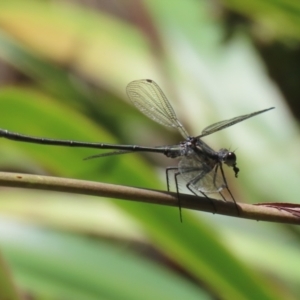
(230, 159)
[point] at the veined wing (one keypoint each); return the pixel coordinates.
(148, 97)
(212, 182)
(227, 123)
(202, 175)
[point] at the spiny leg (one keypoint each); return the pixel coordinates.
(176, 186)
(178, 196)
(225, 181)
(210, 200)
(215, 176)
(168, 177)
(192, 182)
(224, 199)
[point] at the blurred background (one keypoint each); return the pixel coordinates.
(64, 67)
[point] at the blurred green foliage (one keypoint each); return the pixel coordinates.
(64, 67)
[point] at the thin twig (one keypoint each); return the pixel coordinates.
(58, 184)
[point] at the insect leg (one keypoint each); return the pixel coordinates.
(189, 184)
(222, 172)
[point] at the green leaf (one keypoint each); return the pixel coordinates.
(67, 266)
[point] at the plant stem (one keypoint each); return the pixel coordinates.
(59, 184)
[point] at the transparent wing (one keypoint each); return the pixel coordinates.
(148, 97)
(227, 123)
(202, 176)
(212, 182)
